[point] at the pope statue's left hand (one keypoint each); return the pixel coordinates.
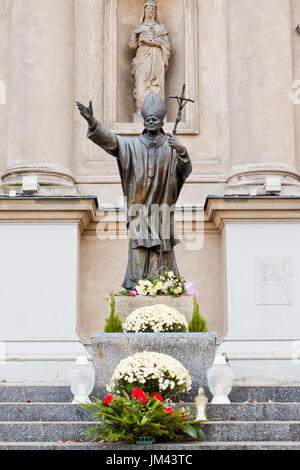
(175, 144)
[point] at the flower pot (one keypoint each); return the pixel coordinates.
(195, 351)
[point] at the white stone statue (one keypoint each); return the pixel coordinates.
(150, 38)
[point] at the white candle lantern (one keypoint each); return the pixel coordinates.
(220, 378)
(82, 380)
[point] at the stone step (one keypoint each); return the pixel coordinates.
(52, 412)
(283, 394)
(264, 445)
(49, 412)
(255, 412)
(239, 431)
(36, 431)
(238, 394)
(37, 394)
(215, 431)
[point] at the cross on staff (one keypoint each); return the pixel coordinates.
(182, 101)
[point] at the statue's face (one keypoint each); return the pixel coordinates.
(153, 124)
(150, 12)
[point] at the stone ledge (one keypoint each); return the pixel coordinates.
(221, 209)
(50, 209)
(62, 394)
(215, 431)
(69, 412)
(191, 446)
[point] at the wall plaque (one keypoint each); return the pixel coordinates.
(274, 281)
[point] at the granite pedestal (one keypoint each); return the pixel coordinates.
(125, 305)
(195, 351)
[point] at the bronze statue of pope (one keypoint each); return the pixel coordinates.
(153, 169)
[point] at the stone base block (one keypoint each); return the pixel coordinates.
(267, 362)
(125, 304)
(195, 351)
(39, 362)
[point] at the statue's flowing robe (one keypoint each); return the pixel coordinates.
(152, 175)
(150, 62)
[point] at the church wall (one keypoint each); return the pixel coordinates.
(246, 61)
(41, 83)
(102, 268)
(89, 83)
(260, 64)
(247, 55)
(209, 146)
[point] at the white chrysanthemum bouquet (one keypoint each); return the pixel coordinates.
(158, 318)
(167, 283)
(153, 372)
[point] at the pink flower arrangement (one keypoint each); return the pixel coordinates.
(133, 293)
(190, 288)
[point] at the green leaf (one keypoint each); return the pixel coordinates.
(191, 432)
(144, 420)
(88, 406)
(126, 419)
(155, 403)
(130, 419)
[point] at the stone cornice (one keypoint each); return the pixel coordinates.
(47, 174)
(112, 221)
(219, 210)
(81, 210)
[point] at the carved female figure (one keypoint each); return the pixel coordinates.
(150, 38)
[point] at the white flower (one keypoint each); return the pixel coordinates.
(159, 285)
(152, 366)
(177, 290)
(165, 283)
(156, 318)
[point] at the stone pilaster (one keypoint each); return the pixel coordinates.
(261, 111)
(295, 87)
(41, 94)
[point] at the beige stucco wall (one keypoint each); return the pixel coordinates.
(260, 64)
(102, 269)
(41, 82)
